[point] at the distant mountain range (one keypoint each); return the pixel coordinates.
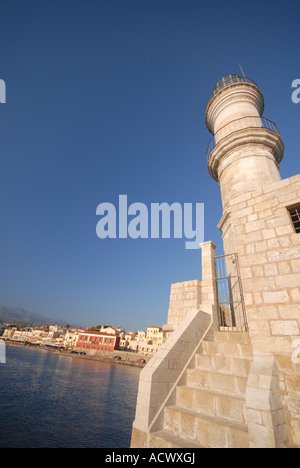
(19, 316)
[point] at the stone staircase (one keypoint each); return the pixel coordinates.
(209, 410)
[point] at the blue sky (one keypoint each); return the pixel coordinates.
(107, 98)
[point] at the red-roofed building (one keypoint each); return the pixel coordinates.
(98, 341)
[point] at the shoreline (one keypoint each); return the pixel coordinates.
(64, 353)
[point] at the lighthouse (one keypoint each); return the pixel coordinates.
(228, 375)
(246, 148)
(260, 226)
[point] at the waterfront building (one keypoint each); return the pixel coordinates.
(141, 336)
(97, 341)
(155, 336)
(228, 375)
(133, 345)
(149, 342)
(23, 334)
(145, 342)
(129, 336)
(71, 337)
(39, 334)
(126, 340)
(9, 332)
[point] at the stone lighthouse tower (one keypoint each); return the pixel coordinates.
(246, 148)
(229, 373)
(260, 223)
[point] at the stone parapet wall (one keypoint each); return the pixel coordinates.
(184, 297)
(160, 378)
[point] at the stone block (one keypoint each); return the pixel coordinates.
(222, 383)
(255, 226)
(197, 378)
(268, 233)
(241, 367)
(185, 397)
(138, 438)
(284, 254)
(261, 436)
(254, 416)
(232, 409)
(238, 438)
(271, 269)
(172, 420)
(211, 434)
(295, 294)
(296, 267)
(277, 222)
(241, 198)
(257, 398)
(261, 246)
(243, 212)
(241, 385)
(276, 186)
(188, 425)
(276, 297)
(203, 361)
(221, 364)
(205, 402)
(265, 205)
(285, 327)
(284, 241)
(273, 243)
(283, 230)
(252, 217)
(284, 268)
(288, 281)
(264, 214)
(289, 312)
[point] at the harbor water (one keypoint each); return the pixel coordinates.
(53, 401)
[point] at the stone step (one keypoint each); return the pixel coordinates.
(231, 408)
(227, 384)
(223, 364)
(231, 337)
(207, 431)
(165, 439)
(236, 350)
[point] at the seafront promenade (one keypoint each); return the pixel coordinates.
(126, 358)
(101, 338)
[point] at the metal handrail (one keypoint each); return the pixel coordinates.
(232, 80)
(265, 123)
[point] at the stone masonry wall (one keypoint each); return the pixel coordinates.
(269, 257)
(184, 296)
